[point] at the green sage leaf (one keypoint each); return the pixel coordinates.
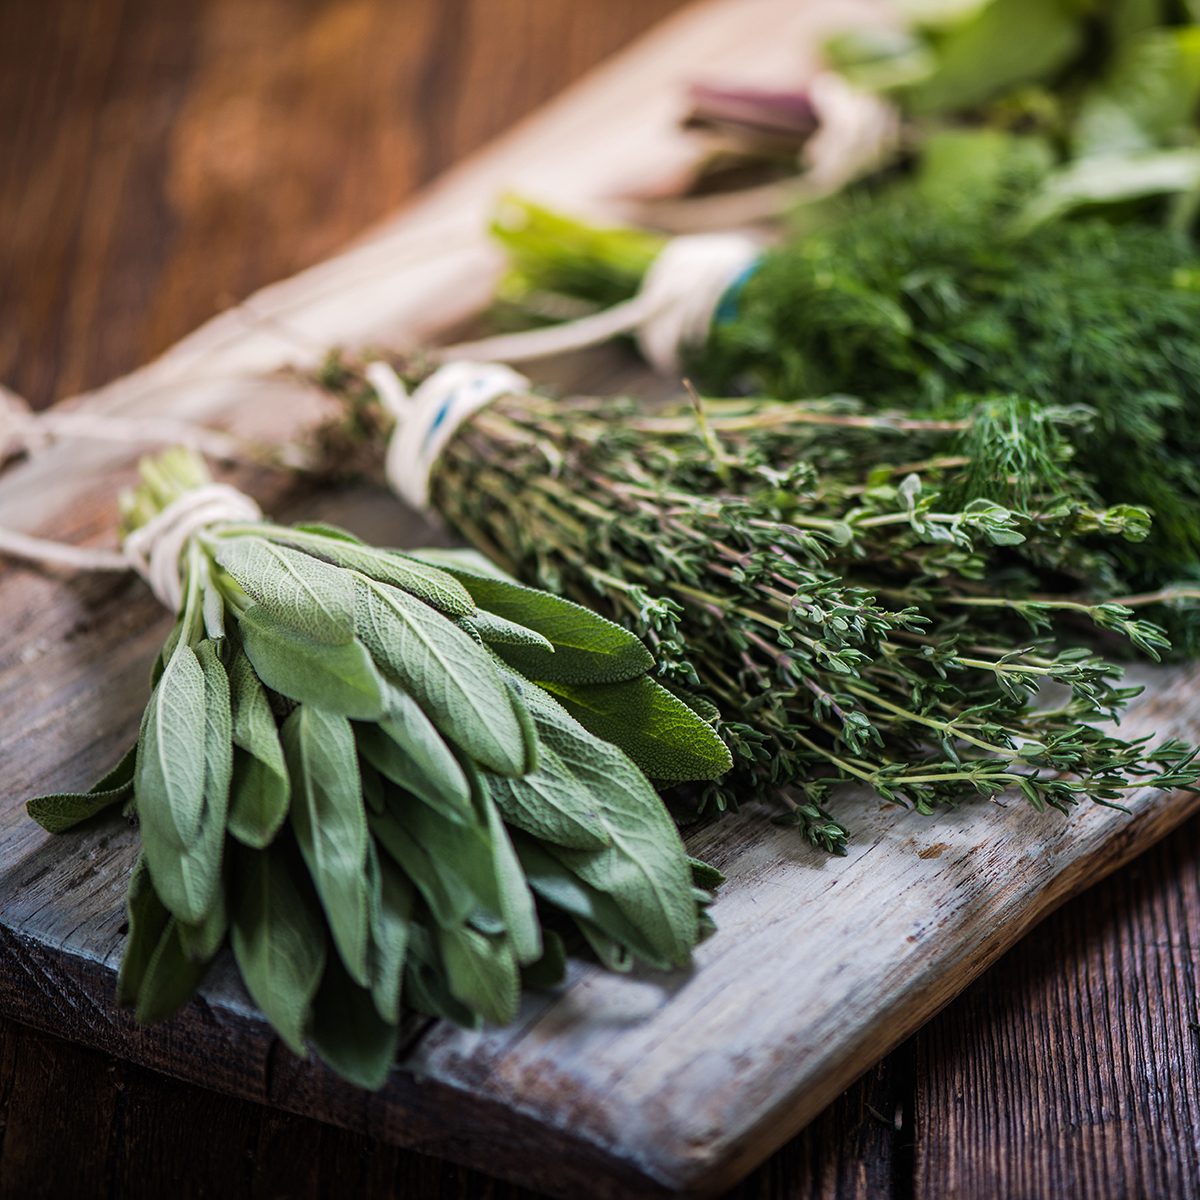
(349, 1033)
(498, 631)
(170, 980)
(661, 733)
(201, 942)
(451, 864)
(422, 580)
(278, 938)
(391, 916)
(551, 969)
(406, 748)
(328, 816)
(147, 918)
(451, 676)
(261, 789)
(312, 597)
(587, 648)
(516, 900)
(170, 768)
(481, 972)
(644, 866)
(187, 878)
(558, 884)
(61, 811)
(425, 987)
(341, 678)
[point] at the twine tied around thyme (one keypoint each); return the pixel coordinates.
(153, 550)
(681, 296)
(428, 418)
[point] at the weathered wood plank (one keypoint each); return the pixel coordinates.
(1074, 1072)
(616, 1086)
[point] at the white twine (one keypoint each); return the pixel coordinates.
(428, 419)
(671, 313)
(153, 551)
(23, 431)
(857, 132)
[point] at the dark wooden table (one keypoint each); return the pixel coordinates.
(159, 161)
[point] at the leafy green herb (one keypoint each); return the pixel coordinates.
(323, 774)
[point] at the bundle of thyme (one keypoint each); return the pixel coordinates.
(824, 579)
(346, 771)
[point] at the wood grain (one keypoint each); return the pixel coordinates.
(158, 162)
(141, 1135)
(943, 1091)
(1072, 1070)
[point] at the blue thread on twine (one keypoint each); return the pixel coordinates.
(440, 419)
(727, 309)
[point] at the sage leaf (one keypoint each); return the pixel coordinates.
(331, 827)
(278, 939)
(147, 919)
(551, 969)
(212, 606)
(705, 875)
(341, 678)
(611, 952)
(452, 865)
(515, 899)
(349, 1033)
(419, 579)
(424, 982)
(307, 595)
(258, 800)
(261, 789)
(323, 529)
(372, 785)
(406, 748)
(170, 980)
(481, 972)
(644, 867)
(529, 732)
(61, 811)
(559, 885)
(587, 648)
(661, 733)
(640, 875)
(499, 631)
(451, 676)
(201, 942)
(560, 800)
(218, 729)
(170, 764)
(187, 877)
(391, 914)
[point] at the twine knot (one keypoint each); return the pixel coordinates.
(428, 419)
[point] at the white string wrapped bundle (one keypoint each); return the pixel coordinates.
(672, 313)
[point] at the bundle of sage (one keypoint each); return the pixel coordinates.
(390, 784)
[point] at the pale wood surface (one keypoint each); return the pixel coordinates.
(821, 965)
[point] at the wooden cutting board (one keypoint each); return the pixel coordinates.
(611, 1086)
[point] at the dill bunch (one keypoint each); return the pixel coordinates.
(931, 310)
(816, 574)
